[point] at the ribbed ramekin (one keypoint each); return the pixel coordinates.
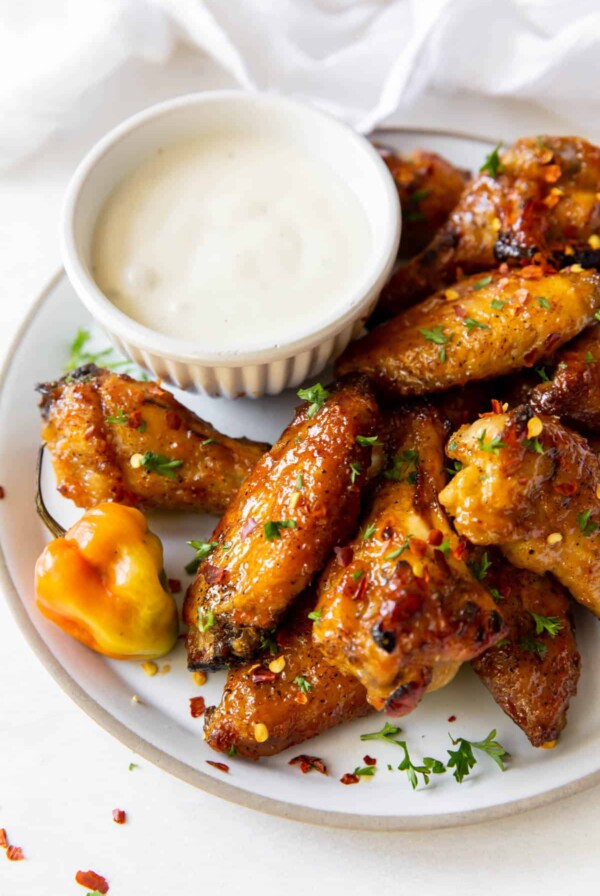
(213, 369)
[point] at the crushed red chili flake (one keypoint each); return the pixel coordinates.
(2, 492)
(359, 593)
(89, 433)
(369, 760)
(417, 547)
(173, 420)
(349, 779)
(174, 586)
(435, 537)
(219, 765)
(283, 638)
(135, 420)
(452, 718)
(3, 839)
(496, 409)
(92, 881)
(308, 763)
(565, 488)
(213, 575)
(14, 854)
(261, 675)
(461, 551)
(197, 707)
(119, 816)
(248, 527)
(460, 311)
(344, 556)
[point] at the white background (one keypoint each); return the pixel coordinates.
(61, 775)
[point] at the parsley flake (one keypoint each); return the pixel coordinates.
(498, 304)
(315, 615)
(586, 526)
(549, 624)
(232, 751)
(268, 642)
(496, 595)
(543, 302)
(299, 482)
(206, 620)
(455, 468)
(357, 575)
(369, 532)
(404, 467)
(485, 281)
(541, 372)
(416, 197)
(480, 569)
(209, 442)
(589, 358)
(273, 527)
(492, 164)
(355, 471)
(303, 684)
(472, 324)
(463, 760)
(158, 463)
(531, 645)
(202, 549)
(493, 447)
(119, 417)
(436, 335)
(316, 395)
(534, 445)
(393, 555)
(366, 771)
(368, 441)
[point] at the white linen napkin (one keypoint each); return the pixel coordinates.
(359, 59)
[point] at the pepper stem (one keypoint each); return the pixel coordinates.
(48, 520)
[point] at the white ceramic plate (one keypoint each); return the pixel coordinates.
(160, 727)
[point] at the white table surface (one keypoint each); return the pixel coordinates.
(61, 775)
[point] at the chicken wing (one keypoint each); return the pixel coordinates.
(429, 187)
(531, 486)
(481, 328)
(539, 199)
(533, 672)
(301, 500)
(398, 607)
(113, 438)
(307, 697)
(572, 391)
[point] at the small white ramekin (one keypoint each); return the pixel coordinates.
(212, 369)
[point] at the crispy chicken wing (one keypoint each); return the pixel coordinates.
(530, 485)
(399, 608)
(307, 697)
(96, 421)
(481, 328)
(573, 389)
(532, 673)
(429, 187)
(301, 499)
(542, 202)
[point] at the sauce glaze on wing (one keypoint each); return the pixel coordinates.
(95, 421)
(399, 607)
(310, 484)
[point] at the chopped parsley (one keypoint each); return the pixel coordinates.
(368, 441)
(158, 463)
(209, 442)
(455, 468)
(303, 684)
(272, 529)
(119, 417)
(206, 620)
(316, 395)
(444, 547)
(543, 302)
(533, 445)
(541, 372)
(586, 525)
(369, 532)
(472, 324)
(299, 482)
(315, 615)
(597, 315)
(485, 281)
(498, 304)
(366, 771)
(549, 624)
(436, 335)
(232, 751)
(589, 358)
(480, 569)
(132, 765)
(493, 447)
(268, 642)
(492, 164)
(388, 734)
(416, 197)
(202, 549)
(404, 467)
(496, 595)
(78, 356)
(358, 574)
(463, 760)
(355, 471)
(532, 645)
(393, 555)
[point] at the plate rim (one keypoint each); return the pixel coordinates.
(197, 778)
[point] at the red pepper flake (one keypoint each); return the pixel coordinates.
(565, 488)
(461, 551)
(174, 586)
(452, 718)
(308, 763)
(213, 575)
(119, 816)
(89, 433)
(248, 527)
(417, 547)
(497, 408)
(92, 881)
(359, 593)
(369, 760)
(349, 779)
(3, 839)
(135, 420)
(344, 556)
(218, 765)
(2, 492)
(197, 707)
(435, 537)
(173, 420)
(14, 854)
(283, 638)
(460, 311)
(261, 675)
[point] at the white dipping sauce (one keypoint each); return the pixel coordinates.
(233, 241)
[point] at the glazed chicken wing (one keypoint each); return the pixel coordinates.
(531, 486)
(429, 187)
(533, 672)
(398, 607)
(301, 499)
(308, 696)
(481, 328)
(538, 200)
(113, 438)
(572, 391)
